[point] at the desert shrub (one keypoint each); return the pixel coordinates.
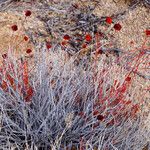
(69, 105)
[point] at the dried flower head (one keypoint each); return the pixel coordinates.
(28, 51)
(4, 56)
(147, 32)
(14, 27)
(66, 37)
(84, 45)
(117, 27)
(28, 13)
(100, 117)
(26, 38)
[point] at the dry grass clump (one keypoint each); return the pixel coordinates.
(71, 105)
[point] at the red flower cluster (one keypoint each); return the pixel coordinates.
(23, 88)
(28, 89)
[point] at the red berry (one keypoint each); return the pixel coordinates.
(66, 37)
(109, 20)
(84, 46)
(63, 43)
(100, 117)
(26, 38)
(117, 27)
(28, 51)
(14, 27)
(147, 32)
(128, 79)
(48, 45)
(4, 56)
(88, 37)
(28, 13)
